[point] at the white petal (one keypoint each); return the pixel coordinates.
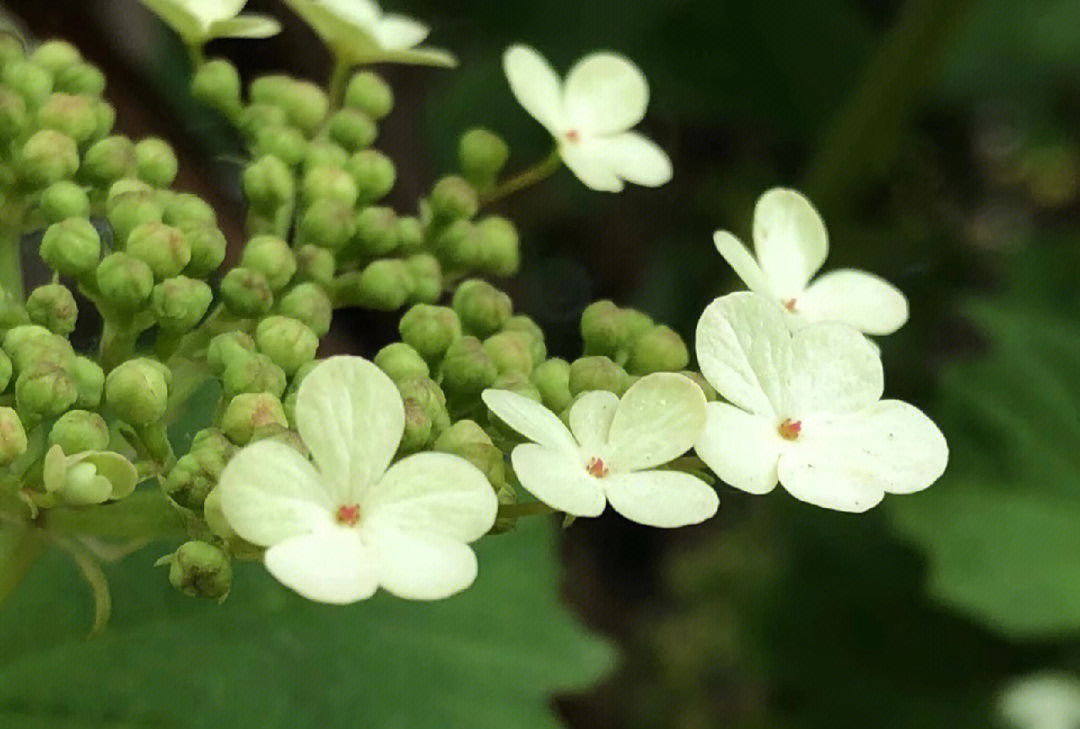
(421, 566)
(741, 261)
(744, 350)
(359, 12)
(433, 493)
(633, 157)
(790, 241)
(398, 32)
(862, 300)
(246, 26)
(331, 566)
(530, 418)
(587, 164)
(350, 416)
(834, 369)
(605, 94)
(849, 461)
(536, 86)
(270, 493)
(661, 498)
(740, 448)
(590, 419)
(658, 420)
(558, 479)
(209, 11)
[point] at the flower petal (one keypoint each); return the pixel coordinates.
(270, 493)
(558, 479)
(859, 299)
(358, 12)
(740, 448)
(790, 241)
(605, 94)
(331, 566)
(834, 369)
(633, 157)
(421, 566)
(187, 22)
(589, 166)
(397, 32)
(590, 419)
(663, 499)
(433, 493)
(536, 86)
(245, 26)
(741, 261)
(849, 461)
(530, 418)
(658, 420)
(744, 350)
(350, 416)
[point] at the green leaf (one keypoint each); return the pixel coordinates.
(487, 658)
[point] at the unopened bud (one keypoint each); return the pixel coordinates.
(510, 351)
(254, 373)
(315, 264)
(482, 308)
(208, 247)
(376, 232)
(552, 380)
(47, 157)
(70, 115)
(324, 153)
(309, 304)
(329, 183)
(13, 116)
(430, 330)
(384, 285)
(62, 200)
(289, 343)
(137, 391)
(185, 208)
(214, 514)
(658, 350)
(199, 569)
(128, 210)
(460, 246)
(29, 80)
(401, 362)
(77, 431)
(13, 441)
(354, 130)
(217, 84)
(88, 478)
(124, 281)
(466, 369)
(44, 390)
(6, 370)
(482, 155)
(246, 293)
(525, 325)
(368, 93)
(268, 184)
(453, 198)
(602, 325)
(155, 162)
(90, 381)
(426, 393)
(500, 249)
(226, 348)
(305, 103)
(272, 257)
(410, 234)
(180, 303)
(53, 307)
(71, 247)
(12, 311)
(30, 343)
(427, 278)
(328, 224)
(597, 373)
(374, 175)
(81, 78)
(249, 413)
(108, 160)
(418, 429)
(469, 441)
(162, 247)
(55, 55)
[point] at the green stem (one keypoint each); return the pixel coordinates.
(118, 338)
(21, 546)
(528, 178)
(156, 441)
(11, 275)
(339, 79)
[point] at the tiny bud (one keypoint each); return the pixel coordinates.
(44, 390)
(13, 441)
(62, 200)
(500, 248)
(246, 293)
(519, 383)
(29, 80)
(469, 441)
(255, 117)
(466, 369)
(552, 380)
(384, 285)
(290, 344)
(81, 78)
(90, 381)
(308, 303)
(401, 362)
(71, 247)
(410, 234)
(525, 325)
(138, 392)
(430, 330)
(453, 199)
(188, 484)
(77, 431)
(634, 325)
(272, 257)
(329, 183)
(418, 429)
(427, 278)
(124, 281)
(225, 348)
(11, 49)
(328, 224)
(162, 247)
(376, 232)
(426, 393)
(482, 155)
(374, 175)
(658, 350)
(510, 351)
(55, 55)
(214, 515)
(29, 343)
(70, 115)
(53, 307)
(482, 308)
(368, 93)
(249, 413)
(108, 160)
(268, 184)
(13, 117)
(285, 142)
(185, 208)
(354, 130)
(208, 247)
(155, 162)
(323, 153)
(180, 303)
(199, 569)
(602, 328)
(47, 157)
(460, 246)
(129, 210)
(315, 264)
(217, 84)
(597, 373)
(305, 103)
(253, 373)
(104, 117)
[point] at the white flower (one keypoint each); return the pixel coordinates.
(358, 31)
(590, 116)
(352, 523)
(1042, 701)
(200, 21)
(610, 449)
(791, 245)
(806, 410)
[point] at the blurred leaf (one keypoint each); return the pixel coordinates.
(488, 658)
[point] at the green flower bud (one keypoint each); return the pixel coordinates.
(208, 247)
(353, 130)
(268, 184)
(53, 307)
(315, 264)
(525, 325)
(199, 569)
(180, 303)
(418, 429)
(467, 369)
(124, 281)
(108, 160)
(454, 199)
(323, 153)
(602, 325)
(188, 484)
(226, 348)
(384, 285)
(500, 249)
(13, 443)
(155, 162)
(44, 390)
(62, 200)
(11, 49)
(217, 84)
(469, 441)
(330, 183)
(6, 370)
(328, 224)
(254, 373)
(282, 141)
(482, 155)
(374, 175)
(12, 312)
(426, 393)
(517, 382)
(70, 115)
(272, 257)
(29, 343)
(635, 324)
(246, 293)
(511, 352)
(410, 234)
(104, 118)
(255, 117)
(162, 247)
(71, 247)
(81, 78)
(250, 413)
(597, 373)
(288, 342)
(308, 303)
(138, 392)
(401, 362)
(376, 232)
(552, 380)
(29, 80)
(305, 103)
(482, 308)
(47, 157)
(77, 431)
(430, 330)
(91, 477)
(13, 117)
(128, 211)
(184, 208)
(55, 55)
(90, 381)
(658, 350)
(214, 515)
(212, 449)
(460, 246)
(368, 93)
(427, 278)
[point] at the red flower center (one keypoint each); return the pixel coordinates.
(789, 430)
(348, 515)
(573, 136)
(790, 305)
(596, 468)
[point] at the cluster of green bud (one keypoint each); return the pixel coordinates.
(632, 339)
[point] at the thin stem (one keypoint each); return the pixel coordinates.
(339, 79)
(514, 511)
(537, 173)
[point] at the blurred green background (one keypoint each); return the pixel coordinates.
(941, 141)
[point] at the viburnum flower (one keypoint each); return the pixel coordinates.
(610, 451)
(338, 530)
(200, 21)
(590, 116)
(359, 32)
(806, 410)
(1042, 701)
(791, 245)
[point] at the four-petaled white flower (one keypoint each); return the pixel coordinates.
(1042, 701)
(791, 245)
(359, 32)
(590, 116)
(807, 411)
(337, 532)
(610, 449)
(200, 21)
